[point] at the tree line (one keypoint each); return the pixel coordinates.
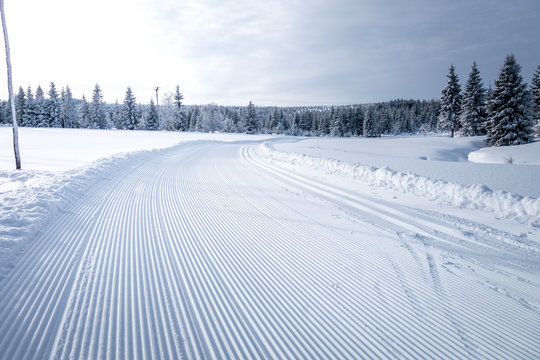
(506, 113)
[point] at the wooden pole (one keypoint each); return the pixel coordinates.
(10, 91)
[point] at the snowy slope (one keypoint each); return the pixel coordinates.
(225, 250)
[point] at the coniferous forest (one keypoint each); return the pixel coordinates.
(508, 113)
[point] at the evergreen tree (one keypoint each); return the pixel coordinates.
(371, 124)
(129, 111)
(337, 125)
(29, 116)
(250, 119)
(68, 113)
(84, 113)
(20, 105)
(152, 119)
(473, 108)
(53, 107)
(98, 116)
(357, 121)
(535, 90)
(116, 117)
(179, 116)
(42, 118)
(509, 119)
(451, 103)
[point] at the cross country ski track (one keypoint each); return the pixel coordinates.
(209, 251)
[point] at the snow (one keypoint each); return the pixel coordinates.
(527, 154)
(433, 157)
(186, 245)
(66, 149)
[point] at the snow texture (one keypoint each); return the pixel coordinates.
(232, 249)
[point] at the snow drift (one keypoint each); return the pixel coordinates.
(480, 197)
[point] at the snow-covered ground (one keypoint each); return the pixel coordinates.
(124, 245)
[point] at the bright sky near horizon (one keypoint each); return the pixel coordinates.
(273, 52)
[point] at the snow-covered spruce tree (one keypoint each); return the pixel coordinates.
(535, 90)
(117, 115)
(98, 116)
(473, 107)
(371, 123)
(84, 113)
(68, 112)
(152, 119)
(337, 128)
(130, 121)
(29, 116)
(509, 119)
(180, 122)
(450, 103)
(42, 116)
(249, 121)
(53, 107)
(20, 104)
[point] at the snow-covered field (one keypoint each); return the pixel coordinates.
(125, 245)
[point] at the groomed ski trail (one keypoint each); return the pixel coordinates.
(207, 251)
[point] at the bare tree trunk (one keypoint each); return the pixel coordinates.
(10, 90)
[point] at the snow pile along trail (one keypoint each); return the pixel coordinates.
(479, 197)
(209, 250)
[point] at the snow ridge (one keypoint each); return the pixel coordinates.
(503, 204)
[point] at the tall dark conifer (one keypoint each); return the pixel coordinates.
(98, 116)
(451, 103)
(152, 119)
(130, 120)
(473, 108)
(509, 116)
(53, 107)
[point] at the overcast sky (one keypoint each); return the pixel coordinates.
(273, 52)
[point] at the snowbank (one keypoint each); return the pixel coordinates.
(528, 154)
(501, 203)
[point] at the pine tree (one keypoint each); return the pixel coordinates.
(68, 113)
(53, 107)
(84, 113)
(535, 90)
(371, 123)
(152, 119)
(29, 116)
(42, 116)
(509, 119)
(129, 111)
(98, 116)
(451, 103)
(473, 108)
(357, 121)
(250, 119)
(179, 116)
(117, 116)
(337, 124)
(20, 104)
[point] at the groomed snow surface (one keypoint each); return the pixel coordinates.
(117, 244)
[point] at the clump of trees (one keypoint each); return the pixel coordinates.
(505, 114)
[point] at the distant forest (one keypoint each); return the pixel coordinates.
(60, 109)
(509, 114)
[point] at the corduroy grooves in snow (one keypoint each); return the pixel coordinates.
(502, 204)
